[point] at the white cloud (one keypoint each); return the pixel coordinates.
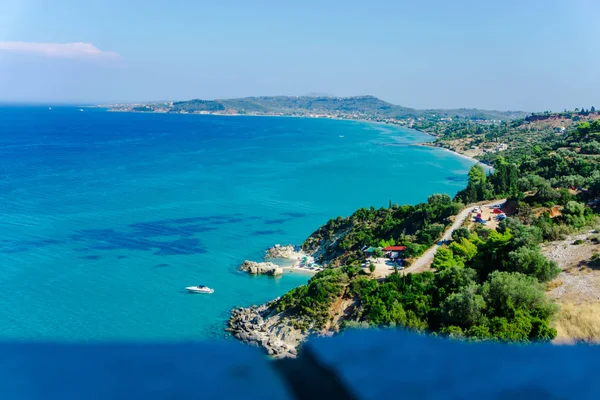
(86, 51)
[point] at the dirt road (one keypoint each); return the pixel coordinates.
(426, 259)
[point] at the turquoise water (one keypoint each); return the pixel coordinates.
(106, 217)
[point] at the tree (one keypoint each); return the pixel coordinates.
(451, 279)
(508, 292)
(547, 194)
(477, 175)
(439, 200)
(492, 253)
(478, 188)
(461, 233)
(464, 308)
(431, 233)
(444, 258)
(574, 214)
(371, 267)
(378, 253)
(531, 262)
(464, 249)
(523, 235)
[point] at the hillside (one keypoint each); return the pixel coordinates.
(358, 107)
(487, 283)
(486, 141)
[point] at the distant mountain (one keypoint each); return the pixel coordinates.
(319, 94)
(368, 107)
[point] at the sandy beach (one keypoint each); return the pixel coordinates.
(291, 258)
(428, 144)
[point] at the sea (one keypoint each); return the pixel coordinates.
(106, 217)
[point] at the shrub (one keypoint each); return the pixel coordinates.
(461, 233)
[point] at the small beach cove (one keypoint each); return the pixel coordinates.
(143, 205)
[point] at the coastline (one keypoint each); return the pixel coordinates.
(270, 115)
(279, 259)
(456, 153)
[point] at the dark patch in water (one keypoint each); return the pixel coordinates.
(209, 220)
(273, 232)
(110, 239)
(90, 257)
(121, 257)
(276, 221)
(456, 178)
(161, 265)
(153, 229)
(182, 246)
(18, 246)
(294, 214)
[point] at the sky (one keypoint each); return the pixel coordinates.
(526, 55)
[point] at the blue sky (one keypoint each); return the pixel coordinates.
(530, 55)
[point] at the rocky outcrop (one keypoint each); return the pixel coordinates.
(278, 251)
(261, 326)
(323, 244)
(261, 268)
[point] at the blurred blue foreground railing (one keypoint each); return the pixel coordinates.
(361, 364)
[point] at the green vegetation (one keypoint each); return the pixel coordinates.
(486, 286)
(416, 227)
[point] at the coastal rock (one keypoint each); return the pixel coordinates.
(262, 326)
(261, 268)
(278, 251)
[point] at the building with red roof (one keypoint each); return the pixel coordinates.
(394, 248)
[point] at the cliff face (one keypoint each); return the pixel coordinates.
(324, 244)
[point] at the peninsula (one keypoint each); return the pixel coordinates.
(492, 263)
(368, 108)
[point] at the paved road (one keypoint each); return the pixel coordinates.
(426, 259)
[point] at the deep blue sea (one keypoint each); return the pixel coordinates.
(106, 217)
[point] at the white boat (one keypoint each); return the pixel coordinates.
(199, 289)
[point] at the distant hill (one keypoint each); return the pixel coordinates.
(368, 107)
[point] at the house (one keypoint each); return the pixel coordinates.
(393, 251)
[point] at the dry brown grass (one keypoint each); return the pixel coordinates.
(578, 323)
(553, 284)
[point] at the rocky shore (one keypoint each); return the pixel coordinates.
(261, 326)
(267, 268)
(278, 251)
